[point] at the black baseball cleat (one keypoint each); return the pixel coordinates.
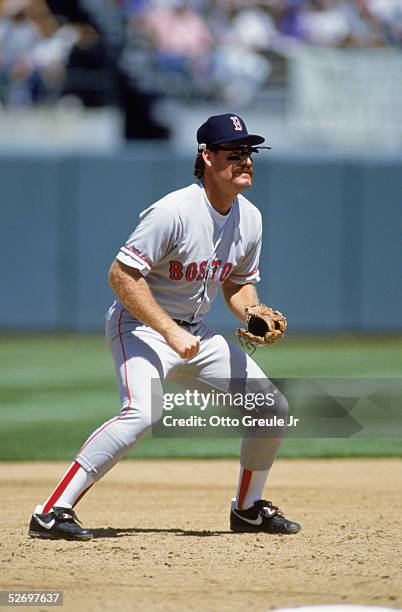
(58, 524)
(263, 516)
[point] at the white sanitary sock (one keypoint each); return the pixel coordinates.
(74, 482)
(250, 487)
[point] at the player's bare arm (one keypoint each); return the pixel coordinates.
(133, 291)
(237, 297)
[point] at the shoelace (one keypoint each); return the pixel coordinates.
(60, 514)
(267, 504)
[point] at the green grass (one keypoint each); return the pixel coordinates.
(55, 389)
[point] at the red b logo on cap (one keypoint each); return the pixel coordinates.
(237, 125)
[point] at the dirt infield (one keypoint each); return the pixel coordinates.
(162, 539)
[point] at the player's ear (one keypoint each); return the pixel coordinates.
(207, 155)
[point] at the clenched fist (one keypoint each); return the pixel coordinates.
(185, 344)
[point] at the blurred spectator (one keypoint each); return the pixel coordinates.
(388, 11)
(338, 23)
(388, 15)
(138, 83)
(177, 30)
(183, 45)
(35, 52)
(240, 67)
(289, 17)
(324, 22)
(254, 28)
(87, 66)
(28, 75)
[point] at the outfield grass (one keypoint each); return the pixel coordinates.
(55, 389)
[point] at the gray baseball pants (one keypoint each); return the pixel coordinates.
(143, 361)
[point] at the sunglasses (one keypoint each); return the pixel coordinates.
(236, 153)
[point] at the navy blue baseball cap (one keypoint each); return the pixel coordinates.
(226, 128)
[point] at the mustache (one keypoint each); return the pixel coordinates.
(245, 169)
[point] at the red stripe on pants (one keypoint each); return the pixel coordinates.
(244, 485)
(61, 488)
(98, 431)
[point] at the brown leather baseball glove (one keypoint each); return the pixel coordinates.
(264, 326)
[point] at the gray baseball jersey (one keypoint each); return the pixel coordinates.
(186, 249)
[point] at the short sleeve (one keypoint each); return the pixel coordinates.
(153, 237)
(247, 270)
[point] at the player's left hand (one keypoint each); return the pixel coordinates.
(264, 325)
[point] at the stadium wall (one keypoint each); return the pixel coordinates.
(331, 255)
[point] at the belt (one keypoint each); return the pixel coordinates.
(187, 324)
(182, 323)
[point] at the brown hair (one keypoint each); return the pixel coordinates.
(199, 167)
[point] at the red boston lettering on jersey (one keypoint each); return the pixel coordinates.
(203, 269)
(226, 270)
(175, 270)
(215, 265)
(194, 271)
(191, 271)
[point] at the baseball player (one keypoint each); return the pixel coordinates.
(185, 247)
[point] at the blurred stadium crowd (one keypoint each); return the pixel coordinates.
(129, 53)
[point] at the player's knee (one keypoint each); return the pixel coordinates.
(135, 423)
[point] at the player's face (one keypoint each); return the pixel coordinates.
(233, 164)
